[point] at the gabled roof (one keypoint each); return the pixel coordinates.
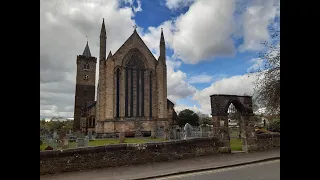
(169, 103)
(136, 37)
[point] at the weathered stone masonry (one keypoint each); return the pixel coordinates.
(132, 86)
(126, 154)
(250, 140)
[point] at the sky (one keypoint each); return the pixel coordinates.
(211, 45)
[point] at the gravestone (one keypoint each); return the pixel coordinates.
(188, 131)
(52, 143)
(178, 134)
(160, 131)
(62, 135)
(80, 142)
(175, 132)
(204, 129)
(166, 134)
(65, 143)
(221, 123)
(89, 134)
(121, 137)
(86, 142)
(172, 134)
(153, 133)
(55, 135)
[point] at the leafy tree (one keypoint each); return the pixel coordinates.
(188, 116)
(267, 86)
(274, 126)
(52, 126)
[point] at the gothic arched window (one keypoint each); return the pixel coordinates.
(118, 92)
(135, 67)
(150, 93)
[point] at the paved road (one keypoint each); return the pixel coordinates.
(269, 170)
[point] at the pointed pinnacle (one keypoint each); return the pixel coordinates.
(103, 28)
(86, 51)
(109, 55)
(162, 37)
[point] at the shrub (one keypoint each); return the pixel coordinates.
(274, 126)
(41, 142)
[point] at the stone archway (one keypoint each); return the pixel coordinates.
(219, 108)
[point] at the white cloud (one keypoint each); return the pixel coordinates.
(177, 82)
(235, 85)
(152, 37)
(256, 20)
(195, 37)
(204, 31)
(202, 78)
(257, 65)
(177, 4)
(64, 26)
(131, 4)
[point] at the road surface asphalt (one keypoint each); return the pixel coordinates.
(269, 170)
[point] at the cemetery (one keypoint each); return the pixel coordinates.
(63, 152)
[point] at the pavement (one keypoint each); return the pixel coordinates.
(168, 169)
(269, 170)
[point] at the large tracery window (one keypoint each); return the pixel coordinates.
(134, 86)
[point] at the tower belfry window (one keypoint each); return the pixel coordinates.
(86, 66)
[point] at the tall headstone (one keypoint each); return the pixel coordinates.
(90, 134)
(121, 136)
(65, 143)
(188, 130)
(172, 133)
(62, 135)
(153, 133)
(204, 128)
(178, 134)
(86, 142)
(55, 135)
(166, 134)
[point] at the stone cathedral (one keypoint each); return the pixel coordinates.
(131, 90)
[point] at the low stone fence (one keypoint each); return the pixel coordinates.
(267, 141)
(57, 161)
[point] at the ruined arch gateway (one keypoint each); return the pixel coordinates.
(131, 91)
(219, 107)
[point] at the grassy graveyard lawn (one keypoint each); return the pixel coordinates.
(101, 142)
(236, 144)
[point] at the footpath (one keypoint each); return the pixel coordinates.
(162, 169)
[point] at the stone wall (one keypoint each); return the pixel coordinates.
(115, 126)
(57, 161)
(266, 141)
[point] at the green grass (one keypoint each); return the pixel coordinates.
(101, 142)
(236, 144)
(43, 146)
